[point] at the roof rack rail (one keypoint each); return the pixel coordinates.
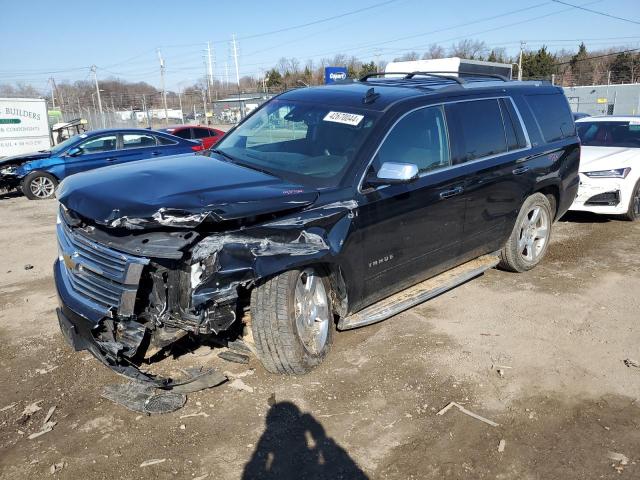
(409, 75)
(477, 74)
(443, 75)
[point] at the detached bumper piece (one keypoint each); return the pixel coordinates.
(607, 199)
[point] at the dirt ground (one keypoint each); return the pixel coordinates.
(540, 353)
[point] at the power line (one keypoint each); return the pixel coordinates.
(597, 12)
(316, 22)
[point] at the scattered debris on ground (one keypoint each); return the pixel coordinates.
(234, 357)
(467, 412)
(501, 445)
(239, 385)
(145, 398)
(8, 407)
(56, 467)
(155, 461)
(629, 362)
(622, 460)
(28, 266)
(199, 414)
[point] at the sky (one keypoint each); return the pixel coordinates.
(43, 39)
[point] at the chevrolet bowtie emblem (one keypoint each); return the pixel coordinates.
(70, 260)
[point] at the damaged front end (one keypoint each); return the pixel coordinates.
(128, 292)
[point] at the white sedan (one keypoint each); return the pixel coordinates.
(609, 166)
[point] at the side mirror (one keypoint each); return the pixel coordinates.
(74, 152)
(391, 173)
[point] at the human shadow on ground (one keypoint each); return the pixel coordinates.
(295, 445)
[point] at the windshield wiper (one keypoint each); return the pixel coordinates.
(235, 161)
(224, 154)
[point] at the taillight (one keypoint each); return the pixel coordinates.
(197, 148)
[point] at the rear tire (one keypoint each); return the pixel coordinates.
(633, 212)
(39, 186)
(292, 321)
(530, 237)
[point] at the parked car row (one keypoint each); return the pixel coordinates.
(38, 174)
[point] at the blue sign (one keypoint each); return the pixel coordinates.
(334, 74)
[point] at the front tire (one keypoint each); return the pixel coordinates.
(39, 186)
(633, 212)
(292, 321)
(530, 237)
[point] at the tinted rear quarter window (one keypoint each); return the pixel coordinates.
(185, 133)
(201, 133)
(553, 116)
(476, 129)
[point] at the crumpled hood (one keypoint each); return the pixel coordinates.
(178, 191)
(604, 158)
(26, 157)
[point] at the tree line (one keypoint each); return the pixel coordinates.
(584, 67)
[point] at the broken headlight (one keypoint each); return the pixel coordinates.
(10, 170)
(613, 173)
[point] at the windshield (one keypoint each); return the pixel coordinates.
(310, 144)
(610, 134)
(61, 147)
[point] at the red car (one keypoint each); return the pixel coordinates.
(207, 136)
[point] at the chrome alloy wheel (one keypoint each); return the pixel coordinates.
(42, 187)
(534, 233)
(311, 311)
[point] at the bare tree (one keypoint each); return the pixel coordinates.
(469, 49)
(434, 51)
(407, 57)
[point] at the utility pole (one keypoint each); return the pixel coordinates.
(210, 69)
(53, 92)
(204, 104)
(522, 44)
(181, 113)
(95, 78)
(164, 92)
(226, 74)
(235, 58)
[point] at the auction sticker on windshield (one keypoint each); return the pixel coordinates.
(341, 117)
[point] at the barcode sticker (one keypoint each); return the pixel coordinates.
(342, 117)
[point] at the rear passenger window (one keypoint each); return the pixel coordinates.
(419, 138)
(553, 116)
(476, 129)
(186, 133)
(134, 140)
(512, 126)
(201, 133)
(165, 141)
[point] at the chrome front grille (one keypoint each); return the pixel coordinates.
(100, 277)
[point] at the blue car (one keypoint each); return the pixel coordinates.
(38, 174)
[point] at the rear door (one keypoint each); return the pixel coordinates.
(95, 152)
(410, 231)
(138, 146)
(490, 152)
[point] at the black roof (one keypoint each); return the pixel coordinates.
(391, 88)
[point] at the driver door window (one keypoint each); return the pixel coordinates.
(97, 145)
(420, 138)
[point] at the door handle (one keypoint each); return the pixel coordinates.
(521, 170)
(155, 154)
(451, 193)
(111, 159)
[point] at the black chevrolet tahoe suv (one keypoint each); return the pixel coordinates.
(326, 209)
